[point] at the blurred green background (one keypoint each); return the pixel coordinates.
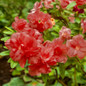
(9, 9)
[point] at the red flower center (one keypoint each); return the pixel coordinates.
(21, 46)
(64, 34)
(77, 48)
(58, 51)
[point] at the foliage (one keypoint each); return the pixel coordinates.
(65, 72)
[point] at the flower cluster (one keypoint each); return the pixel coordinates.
(39, 21)
(65, 3)
(65, 33)
(76, 47)
(80, 2)
(27, 44)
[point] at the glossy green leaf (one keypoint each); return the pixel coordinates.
(4, 53)
(12, 63)
(72, 4)
(15, 72)
(15, 82)
(5, 38)
(62, 70)
(9, 29)
(45, 77)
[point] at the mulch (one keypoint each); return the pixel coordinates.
(5, 71)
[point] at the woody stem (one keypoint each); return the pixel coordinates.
(60, 81)
(80, 65)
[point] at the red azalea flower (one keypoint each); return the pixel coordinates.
(39, 21)
(65, 33)
(80, 2)
(76, 9)
(47, 3)
(44, 63)
(37, 6)
(76, 47)
(37, 69)
(83, 25)
(64, 3)
(60, 50)
(47, 53)
(58, 7)
(19, 24)
(22, 47)
(34, 33)
(47, 60)
(72, 19)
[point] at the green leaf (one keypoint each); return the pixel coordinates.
(67, 11)
(35, 83)
(78, 20)
(71, 5)
(5, 47)
(26, 71)
(82, 6)
(5, 38)
(9, 29)
(53, 3)
(12, 63)
(8, 32)
(84, 65)
(18, 68)
(57, 84)
(45, 77)
(26, 78)
(15, 82)
(9, 60)
(62, 70)
(52, 73)
(15, 72)
(56, 28)
(4, 53)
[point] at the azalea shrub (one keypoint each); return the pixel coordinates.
(50, 45)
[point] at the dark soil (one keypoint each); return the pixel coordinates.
(5, 71)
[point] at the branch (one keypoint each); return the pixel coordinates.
(75, 80)
(60, 81)
(80, 65)
(62, 19)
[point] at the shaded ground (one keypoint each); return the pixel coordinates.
(5, 71)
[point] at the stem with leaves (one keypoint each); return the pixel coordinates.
(75, 80)
(80, 65)
(60, 81)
